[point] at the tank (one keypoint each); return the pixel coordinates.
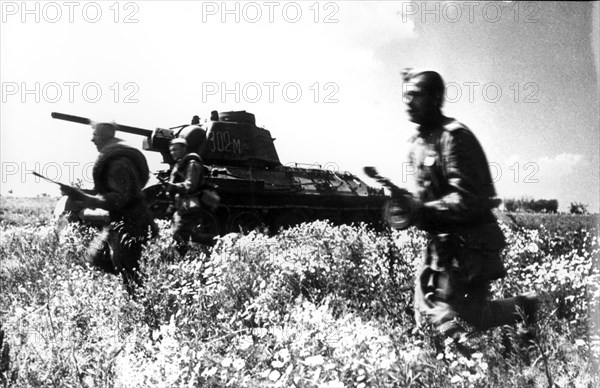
(256, 190)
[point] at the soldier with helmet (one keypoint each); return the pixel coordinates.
(119, 174)
(454, 203)
(185, 183)
(194, 134)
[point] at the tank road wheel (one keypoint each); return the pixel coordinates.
(245, 221)
(207, 228)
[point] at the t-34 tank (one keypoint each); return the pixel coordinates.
(256, 190)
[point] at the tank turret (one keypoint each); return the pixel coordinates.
(236, 140)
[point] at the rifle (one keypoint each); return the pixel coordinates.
(372, 172)
(399, 211)
(403, 199)
(72, 192)
(62, 185)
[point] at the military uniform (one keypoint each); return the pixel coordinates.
(455, 197)
(120, 173)
(185, 181)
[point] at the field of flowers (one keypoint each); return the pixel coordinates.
(315, 306)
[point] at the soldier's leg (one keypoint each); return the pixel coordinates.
(126, 254)
(181, 233)
(419, 301)
(196, 234)
(98, 254)
(437, 301)
(484, 313)
(509, 311)
(433, 292)
(131, 269)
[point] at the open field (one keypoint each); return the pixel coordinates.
(315, 306)
(26, 211)
(560, 222)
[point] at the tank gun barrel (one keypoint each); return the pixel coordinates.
(156, 141)
(74, 119)
(86, 121)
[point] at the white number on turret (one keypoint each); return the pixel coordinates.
(222, 142)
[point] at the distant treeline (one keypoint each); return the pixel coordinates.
(531, 205)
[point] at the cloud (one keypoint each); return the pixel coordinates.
(559, 165)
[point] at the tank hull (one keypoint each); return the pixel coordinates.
(269, 199)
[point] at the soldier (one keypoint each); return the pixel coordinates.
(185, 183)
(195, 135)
(454, 203)
(119, 173)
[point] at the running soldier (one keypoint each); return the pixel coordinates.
(119, 174)
(454, 203)
(187, 178)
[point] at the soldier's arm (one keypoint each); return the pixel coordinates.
(468, 181)
(122, 187)
(192, 181)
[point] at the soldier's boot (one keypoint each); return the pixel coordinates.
(509, 311)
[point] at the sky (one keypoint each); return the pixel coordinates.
(323, 77)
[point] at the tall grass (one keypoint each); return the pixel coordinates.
(315, 306)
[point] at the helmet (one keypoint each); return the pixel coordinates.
(179, 140)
